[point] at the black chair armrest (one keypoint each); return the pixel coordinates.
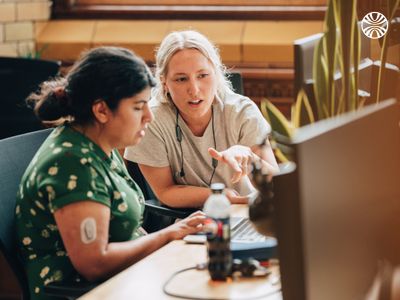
(68, 291)
(154, 206)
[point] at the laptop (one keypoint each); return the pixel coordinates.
(246, 242)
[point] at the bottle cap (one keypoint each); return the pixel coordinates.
(217, 187)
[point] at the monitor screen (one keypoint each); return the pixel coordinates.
(338, 209)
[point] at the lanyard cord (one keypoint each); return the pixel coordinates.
(179, 137)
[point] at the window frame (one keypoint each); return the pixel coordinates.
(75, 9)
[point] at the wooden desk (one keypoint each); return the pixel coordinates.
(144, 280)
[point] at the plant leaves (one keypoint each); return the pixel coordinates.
(392, 7)
(355, 62)
(302, 104)
(346, 13)
(320, 77)
(330, 44)
(277, 120)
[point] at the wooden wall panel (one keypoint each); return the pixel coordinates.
(191, 9)
(205, 2)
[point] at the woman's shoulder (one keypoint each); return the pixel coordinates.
(63, 147)
(238, 104)
(163, 112)
(69, 140)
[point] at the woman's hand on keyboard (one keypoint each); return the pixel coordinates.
(191, 224)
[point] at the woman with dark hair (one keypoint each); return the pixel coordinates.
(78, 212)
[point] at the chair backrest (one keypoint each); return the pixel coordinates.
(18, 78)
(237, 82)
(16, 154)
(303, 60)
(138, 177)
(156, 215)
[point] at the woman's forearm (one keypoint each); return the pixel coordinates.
(97, 258)
(118, 256)
(170, 193)
(184, 196)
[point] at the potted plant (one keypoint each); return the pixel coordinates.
(335, 74)
(337, 52)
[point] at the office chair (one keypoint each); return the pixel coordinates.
(16, 154)
(18, 78)
(156, 215)
(237, 82)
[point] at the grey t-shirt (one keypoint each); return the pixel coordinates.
(237, 121)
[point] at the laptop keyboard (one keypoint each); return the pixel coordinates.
(243, 231)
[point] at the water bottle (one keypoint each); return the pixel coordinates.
(217, 209)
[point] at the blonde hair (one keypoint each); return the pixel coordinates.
(188, 39)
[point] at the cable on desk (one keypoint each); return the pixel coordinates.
(202, 267)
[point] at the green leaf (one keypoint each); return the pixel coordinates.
(330, 43)
(320, 76)
(280, 155)
(355, 62)
(392, 7)
(277, 120)
(302, 104)
(347, 13)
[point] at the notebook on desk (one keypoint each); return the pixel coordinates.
(246, 242)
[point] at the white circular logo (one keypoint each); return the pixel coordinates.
(374, 25)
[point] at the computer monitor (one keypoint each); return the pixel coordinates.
(338, 210)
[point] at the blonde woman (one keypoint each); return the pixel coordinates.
(202, 131)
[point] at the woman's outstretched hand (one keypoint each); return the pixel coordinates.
(239, 158)
(235, 198)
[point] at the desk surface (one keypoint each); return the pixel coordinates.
(145, 279)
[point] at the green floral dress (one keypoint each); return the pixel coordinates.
(69, 168)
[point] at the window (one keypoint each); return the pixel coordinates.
(192, 9)
(204, 2)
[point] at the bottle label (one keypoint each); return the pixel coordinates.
(218, 249)
(217, 229)
(226, 231)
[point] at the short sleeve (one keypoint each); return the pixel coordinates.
(254, 129)
(72, 179)
(152, 150)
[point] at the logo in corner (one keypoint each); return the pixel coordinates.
(374, 25)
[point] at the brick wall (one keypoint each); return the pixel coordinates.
(18, 22)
